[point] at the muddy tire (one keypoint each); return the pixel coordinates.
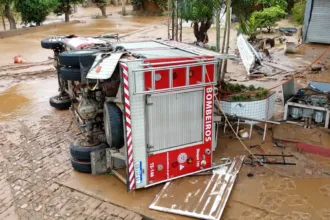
(81, 166)
(120, 48)
(113, 125)
(51, 43)
(60, 102)
(72, 74)
(72, 58)
(81, 151)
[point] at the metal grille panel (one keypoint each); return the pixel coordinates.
(319, 26)
(175, 120)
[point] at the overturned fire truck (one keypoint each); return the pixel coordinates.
(150, 102)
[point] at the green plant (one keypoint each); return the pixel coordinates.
(243, 93)
(252, 88)
(241, 97)
(258, 95)
(271, 3)
(265, 93)
(236, 98)
(8, 11)
(262, 94)
(35, 10)
(214, 48)
(200, 13)
(234, 87)
(161, 3)
(268, 17)
(65, 7)
(298, 12)
(243, 9)
(243, 87)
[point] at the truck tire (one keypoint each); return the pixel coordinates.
(72, 74)
(113, 125)
(60, 102)
(81, 151)
(72, 58)
(51, 43)
(81, 166)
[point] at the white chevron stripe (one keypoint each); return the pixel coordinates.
(130, 159)
(132, 185)
(126, 91)
(129, 141)
(125, 82)
(131, 176)
(130, 151)
(131, 168)
(127, 102)
(128, 120)
(128, 130)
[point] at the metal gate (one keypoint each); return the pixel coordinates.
(174, 119)
(319, 24)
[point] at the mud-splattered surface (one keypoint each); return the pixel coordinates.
(277, 191)
(34, 156)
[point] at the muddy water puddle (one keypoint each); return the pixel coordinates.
(28, 45)
(27, 99)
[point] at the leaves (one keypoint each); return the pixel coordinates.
(35, 10)
(271, 3)
(100, 3)
(298, 12)
(65, 6)
(197, 10)
(243, 9)
(268, 17)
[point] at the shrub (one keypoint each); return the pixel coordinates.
(298, 12)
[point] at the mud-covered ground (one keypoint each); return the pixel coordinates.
(34, 138)
(34, 157)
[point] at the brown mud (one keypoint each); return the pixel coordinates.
(27, 100)
(274, 192)
(28, 45)
(300, 192)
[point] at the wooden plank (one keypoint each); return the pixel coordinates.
(202, 197)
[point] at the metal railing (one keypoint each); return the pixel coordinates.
(170, 69)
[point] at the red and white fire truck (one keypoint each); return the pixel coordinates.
(150, 102)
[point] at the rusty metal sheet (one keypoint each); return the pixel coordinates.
(202, 197)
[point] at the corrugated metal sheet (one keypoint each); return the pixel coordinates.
(201, 197)
(319, 26)
(175, 119)
(196, 50)
(247, 55)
